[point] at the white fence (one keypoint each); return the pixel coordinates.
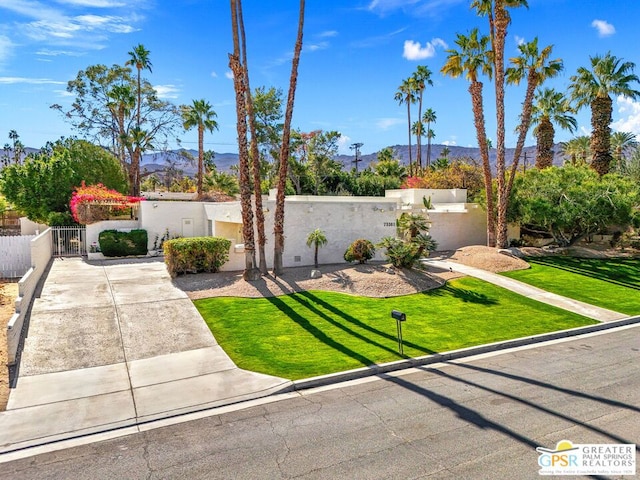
(15, 255)
(40, 257)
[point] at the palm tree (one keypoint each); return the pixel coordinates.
(499, 19)
(609, 75)
(251, 271)
(407, 94)
(200, 115)
(472, 58)
(577, 150)
(422, 77)
(622, 144)
(550, 107)
(139, 57)
(534, 64)
(318, 239)
(278, 226)
(429, 117)
(121, 102)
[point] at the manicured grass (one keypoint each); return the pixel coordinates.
(314, 333)
(607, 283)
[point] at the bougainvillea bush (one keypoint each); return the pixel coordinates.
(94, 203)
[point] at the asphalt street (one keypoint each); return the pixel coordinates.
(480, 419)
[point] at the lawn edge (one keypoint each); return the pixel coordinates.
(377, 369)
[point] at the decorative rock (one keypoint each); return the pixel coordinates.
(252, 275)
(316, 274)
(391, 271)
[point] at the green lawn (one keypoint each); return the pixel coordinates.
(612, 284)
(314, 333)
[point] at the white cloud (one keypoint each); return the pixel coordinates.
(344, 143)
(94, 3)
(519, 40)
(414, 51)
(584, 130)
(64, 93)
(167, 91)
(29, 81)
(416, 8)
(386, 123)
(629, 111)
(317, 46)
(6, 48)
(214, 74)
(449, 143)
(328, 33)
(604, 28)
(229, 74)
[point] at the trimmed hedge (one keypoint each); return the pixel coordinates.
(122, 244)
(195, 254)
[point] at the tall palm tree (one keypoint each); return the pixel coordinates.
(472, 59)
(139, 57)
(406, 94)
(422, 77)
(251, 271)
(622, 145)
(577, 150)
(609, 75)
(199, 115)
(429, 117)
(535, 65)
(550, 107)
(278, 227)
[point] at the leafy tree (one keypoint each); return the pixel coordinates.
(221, 182)
(550, 107)
(103, 112)
(471, 59)
(609, 75)
(139, 58)
(569, 203)
(622, 145)
(318, 239)
(267, 104)
(406, 94)
(43, 184)
(459, 173)
(201, 116)
(322, 148)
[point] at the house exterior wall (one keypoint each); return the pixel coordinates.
(157, 217)
(413, 196)
(456, 229)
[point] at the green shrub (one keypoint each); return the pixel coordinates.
(406, 253)
(122, 244)
(360, 250)
(195, 254)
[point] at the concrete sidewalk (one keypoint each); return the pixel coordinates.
(590, 311)
(114, 344)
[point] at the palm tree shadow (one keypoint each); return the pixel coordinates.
(468, 296)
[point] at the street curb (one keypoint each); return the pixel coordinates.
(382, 368)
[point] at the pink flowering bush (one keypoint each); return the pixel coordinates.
(93, 203)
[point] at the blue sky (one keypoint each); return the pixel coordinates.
(356, 53)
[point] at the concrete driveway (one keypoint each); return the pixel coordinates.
(114, 344)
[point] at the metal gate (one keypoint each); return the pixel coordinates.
(69, 241)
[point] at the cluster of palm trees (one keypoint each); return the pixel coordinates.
(479, 57)
(411, 91)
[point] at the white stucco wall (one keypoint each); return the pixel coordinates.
(413, 196)
(157, 217)
(455, 229)
(28, 227)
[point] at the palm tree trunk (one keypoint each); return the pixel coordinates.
(278, 227)
(544, 147)
(200, 159)
(251, 272)
(501, 23)
(409, 121)
(601, 109)
(419, 135)
(523, 128)
(428, 144)
(255, 155)
(315, 255)
(475, 89)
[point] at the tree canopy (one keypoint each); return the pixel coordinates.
(42, 185)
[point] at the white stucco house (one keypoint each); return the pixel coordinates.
(454, 222)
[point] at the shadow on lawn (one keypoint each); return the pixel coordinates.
(621, 272)
(463, 294)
